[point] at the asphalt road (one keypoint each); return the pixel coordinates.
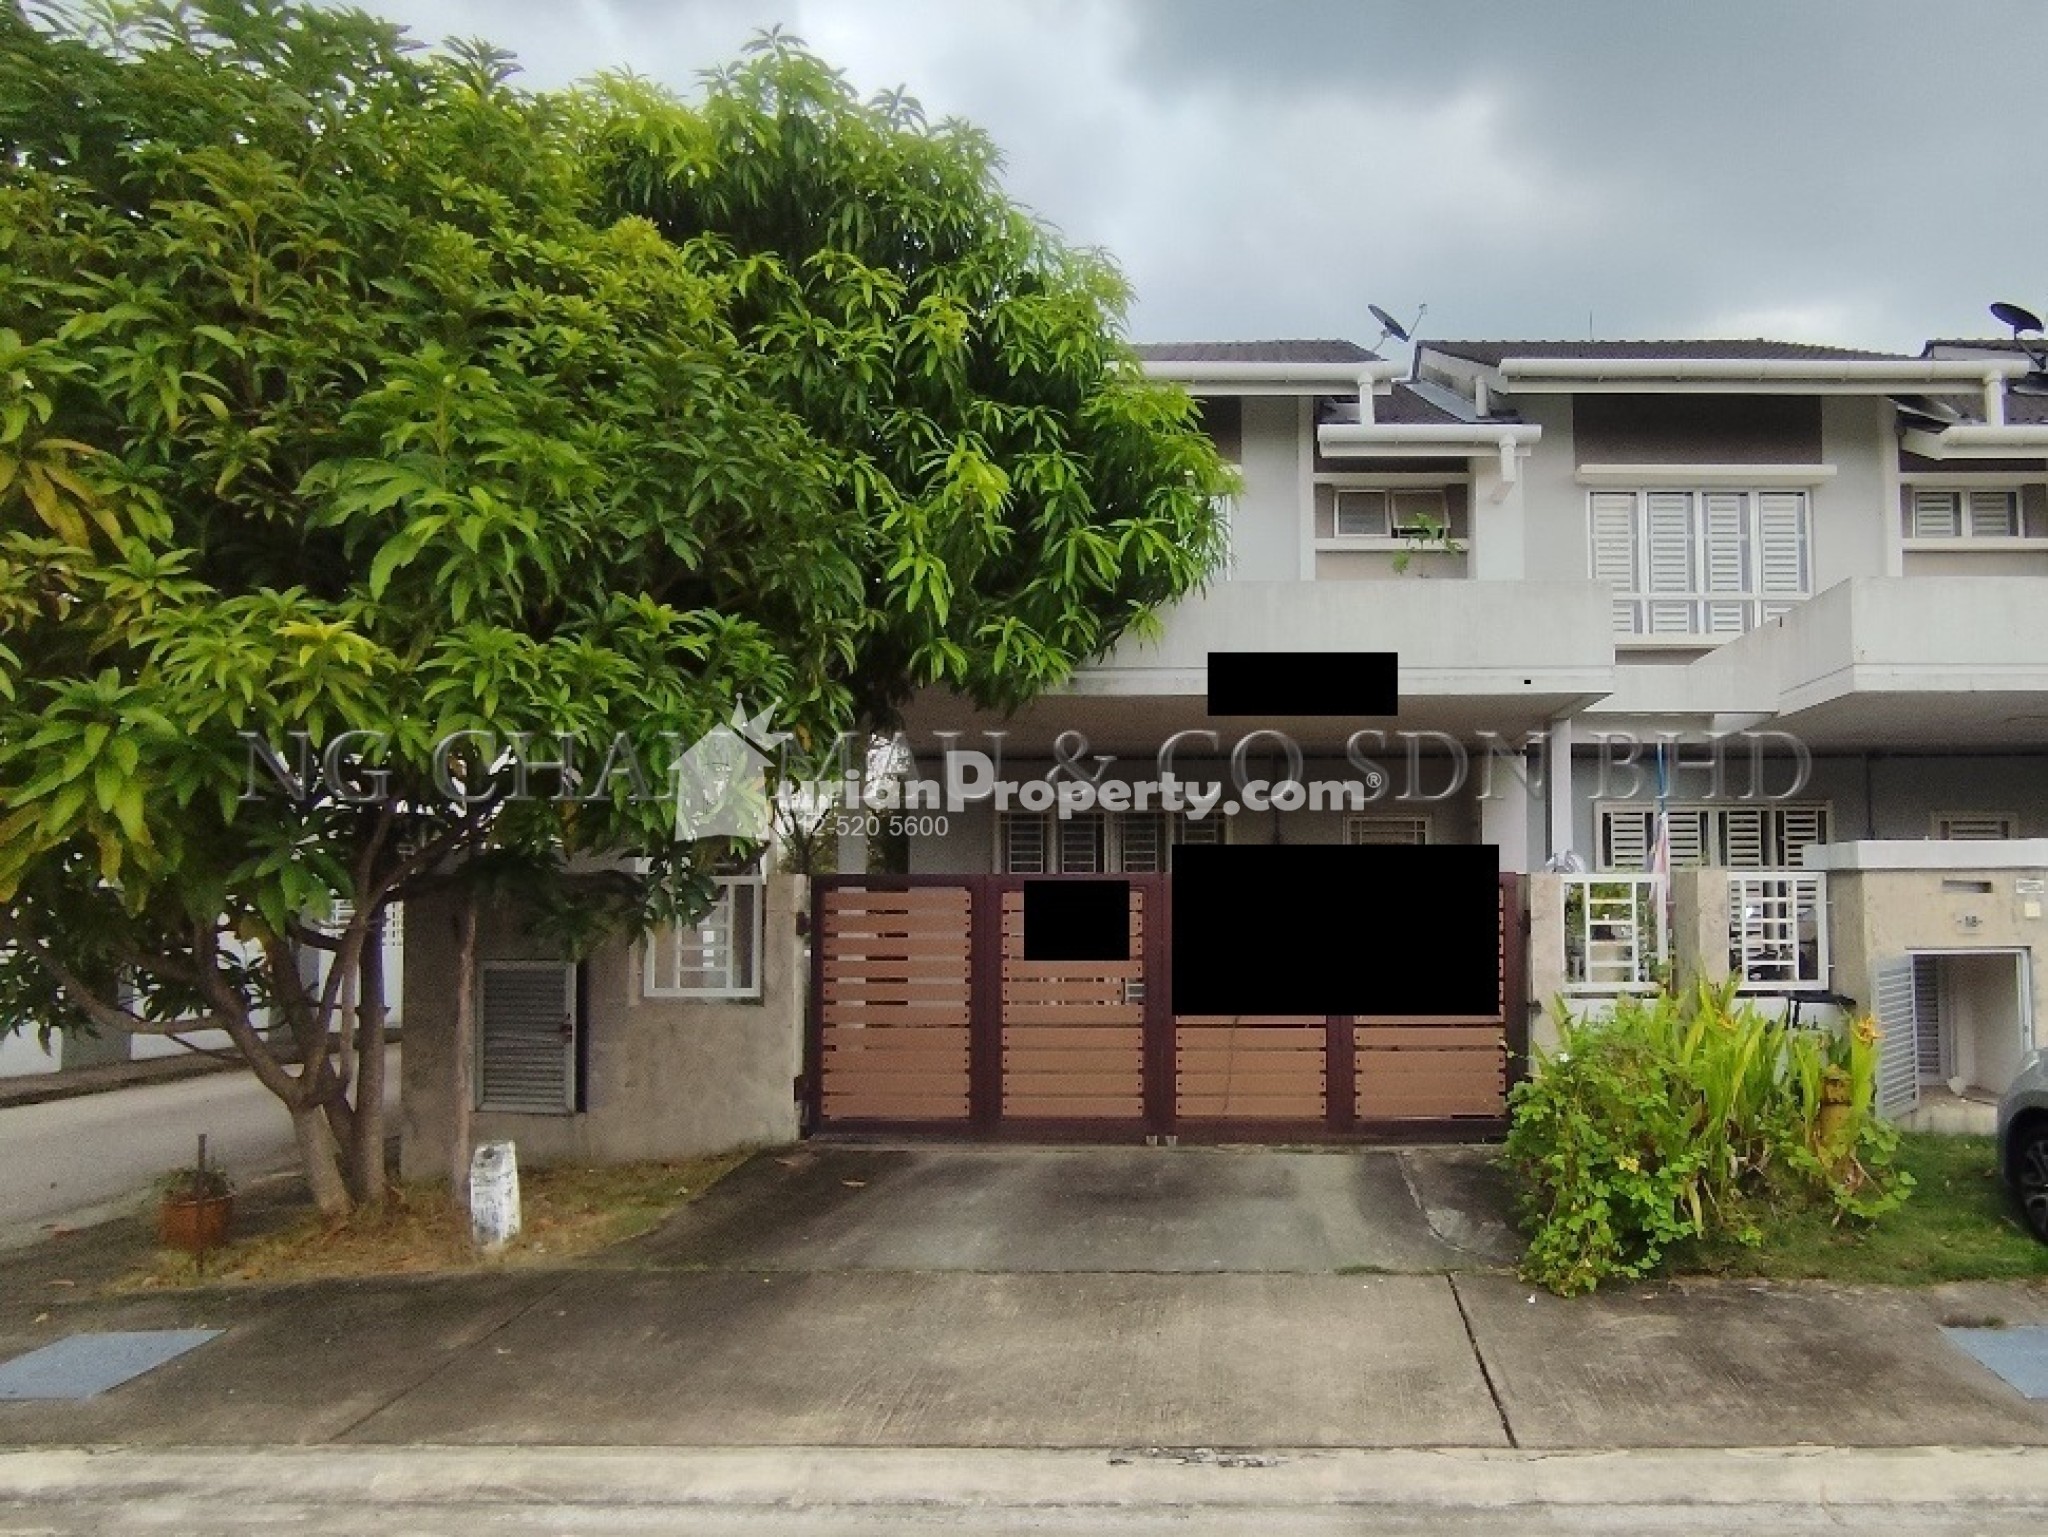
(71, 1162)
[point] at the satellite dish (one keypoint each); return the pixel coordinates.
(1394, 328)
(2012, 315)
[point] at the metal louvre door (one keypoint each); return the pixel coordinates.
(526, 1038)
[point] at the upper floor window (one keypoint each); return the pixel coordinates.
(1386, 514)
(1955, 513)
(1704, 563)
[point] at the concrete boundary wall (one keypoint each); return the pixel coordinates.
(665, 1078)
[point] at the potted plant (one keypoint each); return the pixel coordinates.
(196, 1205)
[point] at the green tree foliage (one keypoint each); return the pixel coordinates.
(347, 388)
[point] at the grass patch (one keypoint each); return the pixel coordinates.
(565, 1213)
(1956, 1225)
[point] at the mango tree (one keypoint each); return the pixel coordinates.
(371, 428)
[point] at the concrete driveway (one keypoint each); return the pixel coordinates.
(1167, 1211)
(1059, 1298)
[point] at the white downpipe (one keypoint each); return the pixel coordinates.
(1994, 400)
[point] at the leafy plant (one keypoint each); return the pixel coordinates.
(1425, 533)
(1692, 1117)
(194, 1182)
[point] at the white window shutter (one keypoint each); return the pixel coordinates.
(1614, 553)
(1744, 830)
(1898, 1046)
(1668, 560)
(1688, 838)
(1799, 826)
(1725, 537)
(1935, 515)
(1785, 561)
(1992, 515)
(1625, 836)
(526, 1039)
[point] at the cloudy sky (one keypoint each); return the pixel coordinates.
(1866, 172)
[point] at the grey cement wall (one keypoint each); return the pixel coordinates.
(1883, 795)
(1696, 429)
(667, 1078)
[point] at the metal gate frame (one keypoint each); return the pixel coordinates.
(1160, 1120)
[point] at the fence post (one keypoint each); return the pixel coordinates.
(1545, 956)
(1699, 938)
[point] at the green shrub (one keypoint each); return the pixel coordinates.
(1677, 1118)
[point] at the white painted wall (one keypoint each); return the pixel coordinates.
(1853, 511)
(1269, 522)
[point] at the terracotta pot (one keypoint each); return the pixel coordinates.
(195, 1226)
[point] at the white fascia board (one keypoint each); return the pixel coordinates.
(1977, 440)
(1274, 378)
(1704, 474)
(1839, 376)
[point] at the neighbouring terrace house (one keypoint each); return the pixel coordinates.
(1813, 575)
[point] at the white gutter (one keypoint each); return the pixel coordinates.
(1343, 378)
(1870, 373)
(1464, 438)
(1978, 439)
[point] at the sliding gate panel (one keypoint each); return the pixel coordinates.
(933, 1014)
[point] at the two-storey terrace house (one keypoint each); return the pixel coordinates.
(1753, 607)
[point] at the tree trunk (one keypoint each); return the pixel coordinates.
(321, 1160)
(366, 1152)
(462, 1070)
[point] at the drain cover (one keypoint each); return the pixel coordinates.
(84, 1365)
(2020, 1356)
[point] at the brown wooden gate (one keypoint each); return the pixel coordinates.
(927, 1018)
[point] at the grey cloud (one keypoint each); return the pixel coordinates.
(1853, 170)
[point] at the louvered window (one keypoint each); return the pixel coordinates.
(526, 1038)
(1733, 837)
(1080, 841)
(1700, 563)
(1956, 513)
(1141, 839)
(1025, 850)
(1131, 843)
(1975, 825)
(1386, 830)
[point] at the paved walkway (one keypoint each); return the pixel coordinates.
(1095, 1298)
